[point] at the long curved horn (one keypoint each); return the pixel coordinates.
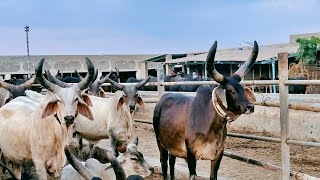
(29, 82)
(103, 80)
(43, 81)
(84, 83)
(118, 170)
(95, 76)
(119, 86)
(142, 83)
(77, 165)
(210, 64)
(242, 71)
(5, 85)
(56, 81)
(78, 75)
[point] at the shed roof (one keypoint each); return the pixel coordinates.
(266, 53)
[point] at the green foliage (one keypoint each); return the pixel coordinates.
(308, 50)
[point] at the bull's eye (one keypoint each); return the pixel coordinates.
(136, 95)
(76, 100)
(134, 158)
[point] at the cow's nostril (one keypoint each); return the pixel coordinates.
(250, 107)
(132, 107)
(69, 119)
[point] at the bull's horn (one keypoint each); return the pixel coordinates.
(5, 85)
(84, 83)
(77, 165)
(242, 71)
(118, 170)
(29, 82)
(142, 83)
(43, 81)
(78, 75)
(119, 86)
(210, 64)
(103, 80)
(95, 76)
(56, 81)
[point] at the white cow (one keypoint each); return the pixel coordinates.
(37, 131)
(113, 116)
(112, 120)
(129, 163)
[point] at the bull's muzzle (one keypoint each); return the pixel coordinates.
(132, 108)
(250, 108)
(69, 120)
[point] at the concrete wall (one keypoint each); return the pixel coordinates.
(304, 125)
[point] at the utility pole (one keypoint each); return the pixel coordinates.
(28, 58)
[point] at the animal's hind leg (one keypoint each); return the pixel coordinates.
(163, 160)
(172, 161)
(215, 167)
(192, 163)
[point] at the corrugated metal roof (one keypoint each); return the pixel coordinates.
(234, 54)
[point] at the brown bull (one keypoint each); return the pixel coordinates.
(195, 127)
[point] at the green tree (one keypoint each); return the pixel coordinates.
(307, 52)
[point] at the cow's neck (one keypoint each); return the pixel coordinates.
(221, 110)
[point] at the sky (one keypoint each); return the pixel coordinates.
(95, 27)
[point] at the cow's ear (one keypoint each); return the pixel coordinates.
(50, 108)
(120, 103)
(86, 99)
(221, 93)
(84, 110)
(102, 93)
(140, 101)
(249, 94)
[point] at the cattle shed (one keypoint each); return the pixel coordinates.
(227, 61)
(17, 66)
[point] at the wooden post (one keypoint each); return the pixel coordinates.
(160, 79)
(284, 114)
(144, 70)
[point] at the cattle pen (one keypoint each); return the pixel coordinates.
(283, 104)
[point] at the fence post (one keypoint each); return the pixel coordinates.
(284, 114)
(160, 79)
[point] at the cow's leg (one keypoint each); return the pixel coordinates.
(40, 169)
(192, 164)
(164, 161)
(215, 167)
(172, 161)
(80, 148)
(91, 150)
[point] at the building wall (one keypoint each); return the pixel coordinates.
(10, 65)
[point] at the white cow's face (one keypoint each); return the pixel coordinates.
(67, 103)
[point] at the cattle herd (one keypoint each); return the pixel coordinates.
(42, 128)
